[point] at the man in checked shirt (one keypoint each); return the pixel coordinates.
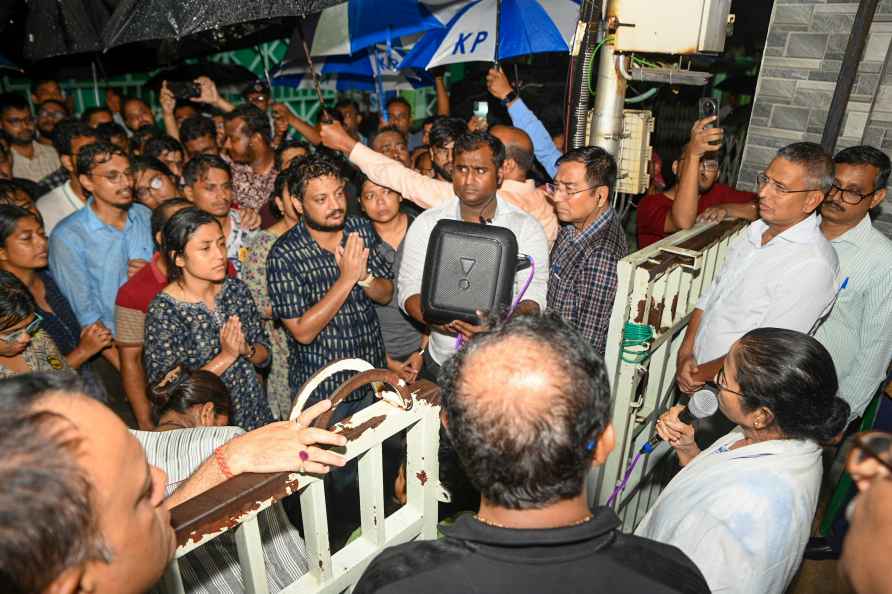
(582, 280)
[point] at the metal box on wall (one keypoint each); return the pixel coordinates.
(671, 26)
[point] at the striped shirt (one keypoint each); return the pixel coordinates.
(299, 274)
(858, 332)
(214, 567)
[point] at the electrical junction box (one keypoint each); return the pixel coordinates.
(635, 152)
(671, 26)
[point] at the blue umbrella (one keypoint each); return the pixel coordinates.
(367, 22)
(366, 70)
(520, 27)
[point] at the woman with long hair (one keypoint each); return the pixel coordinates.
(205, 320)
(24, 254)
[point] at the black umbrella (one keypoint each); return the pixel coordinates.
(221, 74)
(144, 20)
(52, 27)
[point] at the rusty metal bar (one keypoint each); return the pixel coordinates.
(847, 71)
(218, 507)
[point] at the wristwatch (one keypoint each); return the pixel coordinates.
(367, 281)
(511, 96)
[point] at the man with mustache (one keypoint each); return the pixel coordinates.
(208, 185)
(858, 332)
(30, 159)
(95, 250)
(324, 276)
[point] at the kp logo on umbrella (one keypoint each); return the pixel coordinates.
(524, 27)
(479, 37)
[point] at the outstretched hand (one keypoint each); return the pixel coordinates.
(278, 447)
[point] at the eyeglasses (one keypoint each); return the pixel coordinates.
(763, 180)
(868, 445)
(871, 445)
(116, 176)
(719, 384)
(50, 113)
(850, 196)
(153, 186)
(559, 188)
(709, 165)
(31, 329)
(19, 121)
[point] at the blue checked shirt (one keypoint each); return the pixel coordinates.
(299, 274)
(582, 280)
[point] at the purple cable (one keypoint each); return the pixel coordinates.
(619, 488)
(526, 286)
(460, 342)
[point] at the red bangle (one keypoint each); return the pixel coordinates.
(221, 463)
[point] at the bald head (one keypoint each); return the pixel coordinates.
(533, 392)
(518, 148)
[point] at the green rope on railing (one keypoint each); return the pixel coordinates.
(636, 342)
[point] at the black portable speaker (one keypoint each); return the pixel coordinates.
(468, 266)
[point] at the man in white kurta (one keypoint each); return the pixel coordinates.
(743, 516)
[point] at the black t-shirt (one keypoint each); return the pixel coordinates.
(477, 558)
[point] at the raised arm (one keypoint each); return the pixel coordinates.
(424, 191)
(526, 120)
(687, 196)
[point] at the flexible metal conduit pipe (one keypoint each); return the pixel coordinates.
(578, 96)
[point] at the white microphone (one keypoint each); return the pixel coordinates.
(704, 403)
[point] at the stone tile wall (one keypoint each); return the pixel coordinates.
(803, 52)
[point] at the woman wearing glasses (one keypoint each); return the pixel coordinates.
(742, 509)
(23, 253)
(24, 347)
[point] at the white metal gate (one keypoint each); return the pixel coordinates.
(658, 287)
(236, 503)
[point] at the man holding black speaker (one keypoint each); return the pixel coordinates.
(582, 280)
(477, 162)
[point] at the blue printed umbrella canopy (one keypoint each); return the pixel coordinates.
(520, 27)
(370, 69)
(368, 22)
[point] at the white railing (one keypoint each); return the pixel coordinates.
(657, 286)
(237, 502)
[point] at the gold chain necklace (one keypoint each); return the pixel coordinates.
(497, 525)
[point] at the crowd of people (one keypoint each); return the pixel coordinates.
(185, 278)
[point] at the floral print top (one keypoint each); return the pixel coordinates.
(253, 273)
(41, 355)
(188, 334)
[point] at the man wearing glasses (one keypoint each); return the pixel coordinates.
(695, 195)
(96, 249)
(30, 159)
(582, 279)
(858, 332)
(781, 273)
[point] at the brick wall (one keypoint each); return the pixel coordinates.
(803, 53)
